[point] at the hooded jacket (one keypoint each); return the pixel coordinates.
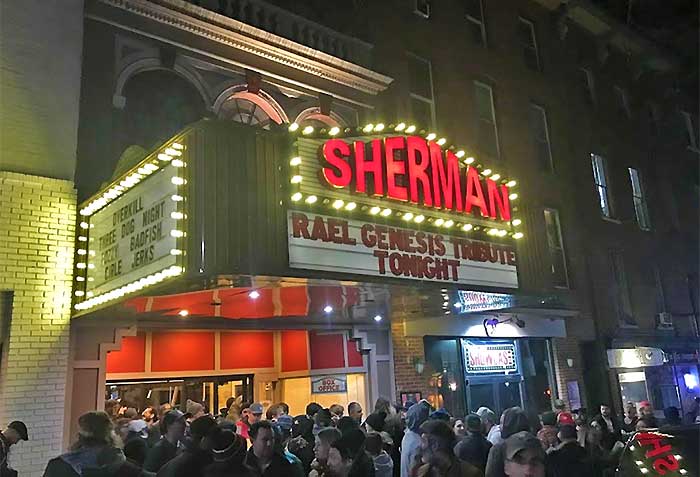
(514, 420)
(383, 465)
(415, 416)
(102, 461)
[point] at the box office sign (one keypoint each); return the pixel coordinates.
(319, 242)
(490, 357)
(329, 384)
(131, 237)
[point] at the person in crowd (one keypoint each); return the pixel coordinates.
(355, 412)
(337, 412)
(194, 456)
(491, 426)
(375, 422)
(194, 409)
(629, 422)
(322, 419)
(513, 420)
(324, 441)
(149, 415)
(394, 428)
(602, 458)
(437, 454)
(581, 423)
(228, 451)
(14, 432)
(548, 434)
(410, 445)
(112, 408)
(559, 406)
(672, 416)
(264, 459)
(441, 415)
(569, 458)
(691, 417)
(383, 463)
(131, 413)
(272, 412)
(611, 427)
(457, 426)
(283, 428)
(645, 423)
(302, 442)
(284, 407)
(136, 442)
(346, 424)
(523, 456)
(248, 418)
(347, 457)
(312, 408)
(647, 410)
(173, 428)
(96, 453)
(473, 447)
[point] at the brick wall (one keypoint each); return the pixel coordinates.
(37, 225)
(563, 349)
(407, 348)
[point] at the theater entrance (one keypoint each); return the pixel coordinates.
(212, 391)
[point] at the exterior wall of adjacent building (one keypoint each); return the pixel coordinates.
(39, 101)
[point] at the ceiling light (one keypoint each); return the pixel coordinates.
(254, 295)
(328, 308)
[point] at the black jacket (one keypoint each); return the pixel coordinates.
(159, 455)
(280, 466)
(568, 460)
(473, 448)
(92, 462)
(5, 470)
(189, 463)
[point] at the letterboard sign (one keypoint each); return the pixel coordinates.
(130, 238)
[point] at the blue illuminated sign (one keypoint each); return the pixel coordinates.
(473, 301)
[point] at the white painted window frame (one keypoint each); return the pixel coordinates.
(559, 247)
(533, 38)
(479, 84)
(430, 101)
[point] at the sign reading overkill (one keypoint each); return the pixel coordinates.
(420, 210)
(130, 233)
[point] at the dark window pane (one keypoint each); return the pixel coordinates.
(422, 113)
(473, 8)
(419, 77)
(487, 140)
(476, 32)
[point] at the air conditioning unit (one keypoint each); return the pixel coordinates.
(664, 320)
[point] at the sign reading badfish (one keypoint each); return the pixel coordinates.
(329, 385)
(130, 238)
(490, 358)
(319, 242)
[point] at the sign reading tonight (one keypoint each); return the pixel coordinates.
(320, 242)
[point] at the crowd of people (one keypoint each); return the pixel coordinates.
(411, 440)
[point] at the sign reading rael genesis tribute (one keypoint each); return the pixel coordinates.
(319, 242)
(130, 237)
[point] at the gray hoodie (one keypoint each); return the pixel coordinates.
(415, 416)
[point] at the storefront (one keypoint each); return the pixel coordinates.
(185, 287)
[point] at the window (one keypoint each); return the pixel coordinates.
(475, 21)
(555, 244)
(600, 177)
(587, 86)
(621, 288)
(540, 136)
(623, 105)
(690, 130)
(421, 91)
(526, 33)
(653, 116)
(486, 130)
(640, 201)
(422, 8)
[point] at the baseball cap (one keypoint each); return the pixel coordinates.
(565, 419)
(285, 422)
(21, 429)
(521, 441)
(171, 417)
(256, 408)
(137, 425)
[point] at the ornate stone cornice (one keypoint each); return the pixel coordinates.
(244, 37)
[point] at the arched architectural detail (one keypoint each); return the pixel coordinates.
(315, 114)
(262, 104)
(150, 64)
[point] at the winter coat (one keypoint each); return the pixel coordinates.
(189, 463)
(5, 470)
(415, 416)
(226, 469)
(457, 469)
(102, 461)
(568, 459)
(383, 465)
(159, 455)
(473, 448)
(282, 465)
(514, 420)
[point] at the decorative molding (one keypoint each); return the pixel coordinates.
(229, 32)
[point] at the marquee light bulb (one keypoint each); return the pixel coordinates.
(431, 136)
(502, 233)
(296, 197)
(176, 233)
(337, 204)
(411, 129)
(177, 215)
(513, 196)
(293, 127)
(400, 127)
(295, 161)
(419, 219)
(175, 251)
(518, 235)
(486, 172)
(467, 227)
(177, 145)
(386, 212)
(177, 163)
(296, 179)
(375, 210)
(449, 223)
(173, 152)
(439, 222)
(379, 127)
(469, 160)
(164, 157)
(368, 128)
(333, 131)
(177, 180)
(516, 222)
(460, 154)
(495, 177)
(351, 206)
(328, 309)
(312, 199)
(84, 225)
(441, 141)
(407, 216)
(511, 184)
(307, 130)
(176, 198)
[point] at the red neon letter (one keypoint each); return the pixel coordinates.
(498, 201)
(394, 167)
(334, 152)
(446, 183)
(374, 167)
(416, 170)
(474, 195)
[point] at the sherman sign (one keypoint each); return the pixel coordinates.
(320, 242)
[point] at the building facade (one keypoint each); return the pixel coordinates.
(597, 261)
